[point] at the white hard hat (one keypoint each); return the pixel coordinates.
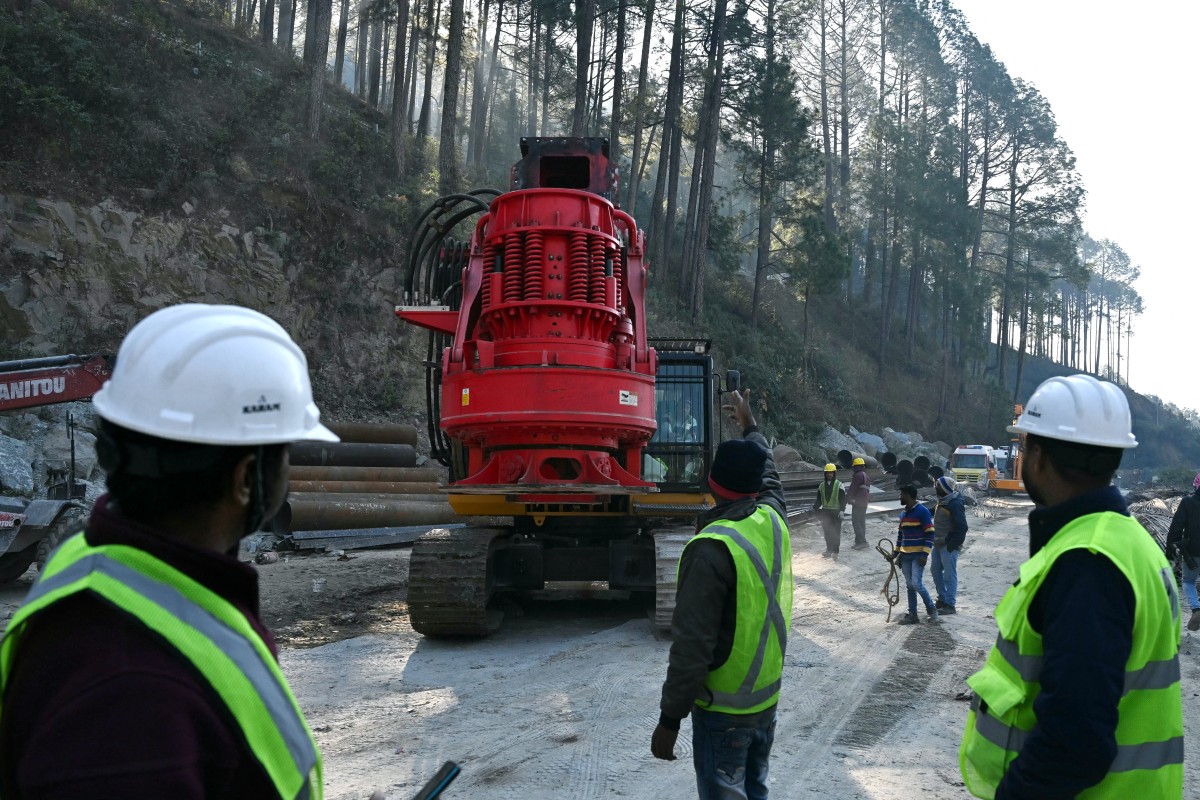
(219, 375)
(1079, 409)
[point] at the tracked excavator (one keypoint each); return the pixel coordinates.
(31, 529)
(547, 399)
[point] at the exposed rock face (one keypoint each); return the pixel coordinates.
(82, 271)
(76, 278)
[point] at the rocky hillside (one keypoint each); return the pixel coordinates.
(149, 156)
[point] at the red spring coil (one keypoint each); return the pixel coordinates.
(619, 268)
(489, 264)
(596, 272)
(535, 265)
(513, 263)
(577, 257)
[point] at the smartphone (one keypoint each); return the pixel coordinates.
(439, 782)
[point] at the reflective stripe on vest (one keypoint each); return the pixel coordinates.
(207, 631)
(831, 501)
(764, 608)
(1149, 734)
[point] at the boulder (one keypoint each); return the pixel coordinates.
(16, 469)
(872, 444)
(786, 458)
(943, 448)
(832, 441)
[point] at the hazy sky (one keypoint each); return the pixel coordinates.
(1118, 77)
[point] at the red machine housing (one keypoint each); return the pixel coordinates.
(53, 379)
(549, 381)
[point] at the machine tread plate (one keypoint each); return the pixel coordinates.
(668, 547)
(448, 586)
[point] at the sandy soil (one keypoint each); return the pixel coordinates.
(560, 703)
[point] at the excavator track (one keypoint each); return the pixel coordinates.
(668, 547)
(448, 582)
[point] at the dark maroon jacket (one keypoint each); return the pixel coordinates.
(99, 707)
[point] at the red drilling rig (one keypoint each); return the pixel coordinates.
(547, 400)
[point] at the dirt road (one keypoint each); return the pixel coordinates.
(560, 703)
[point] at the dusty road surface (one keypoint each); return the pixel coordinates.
(560, 703)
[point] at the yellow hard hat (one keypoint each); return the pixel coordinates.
(830, 468)
(858, 462)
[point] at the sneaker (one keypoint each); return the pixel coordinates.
(933, 615)
(944, 609)
(826, 554)
(939, 605)
(908, 619)
(1194, 622)
(859, 546)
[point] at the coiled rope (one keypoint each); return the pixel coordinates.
(892, 594)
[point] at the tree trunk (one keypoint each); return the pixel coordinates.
(373, 64)
(531, 73)
(662, 220)
(585, 19)
(287, 23)
(478, 91)
(320, 11)
(547, 75)
(399, 78)
(411, 71)
(431, 26)
(340, 54)
(826, 145)
(639, 109)
(360, 53)
(614, 137)
(489, 97)
(449, 181)
(266, 25)
(704, 206)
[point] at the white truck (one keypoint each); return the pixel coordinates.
(973, 463)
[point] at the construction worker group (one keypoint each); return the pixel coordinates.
(145, 627)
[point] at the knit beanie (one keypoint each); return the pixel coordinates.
(947, 484)
(737, 469)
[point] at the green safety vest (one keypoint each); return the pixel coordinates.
(761, 548)
(207, 630)
(835, 488)
(1149, 733)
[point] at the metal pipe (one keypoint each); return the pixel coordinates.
(327, 454)
(365, 487)
(384, 474)
(365, 497)
(339, 515)
(374, 432)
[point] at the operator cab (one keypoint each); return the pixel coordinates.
(687, 406)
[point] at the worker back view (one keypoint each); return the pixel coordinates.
(1080, 697)
(138, 666)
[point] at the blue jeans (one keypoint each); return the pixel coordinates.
(914, 574)
(943, 566)
(730, 753)
(1190, 576)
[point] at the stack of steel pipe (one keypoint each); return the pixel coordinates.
(369, 480)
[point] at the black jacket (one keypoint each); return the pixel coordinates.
(1084, 611)
(706, 599)
(1185, 525)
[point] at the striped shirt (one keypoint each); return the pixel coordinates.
(916, 531)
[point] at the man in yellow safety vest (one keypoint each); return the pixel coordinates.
(1080, 696)
(138, 666)
(732, 613)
